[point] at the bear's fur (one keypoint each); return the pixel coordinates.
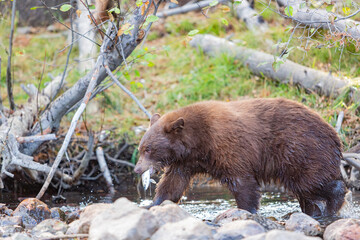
(245, 143)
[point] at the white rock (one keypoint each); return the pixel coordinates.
(300, 222)
(169, 212)
(239, 229)
(189, 228)
(123, 220)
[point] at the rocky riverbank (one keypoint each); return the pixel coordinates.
(32, 219)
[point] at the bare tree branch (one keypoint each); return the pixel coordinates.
(8, 70)
(187, 8)
(320, 18)
(126, 91)
(104, 169)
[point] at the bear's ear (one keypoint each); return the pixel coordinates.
(154, 118)
(176, 125)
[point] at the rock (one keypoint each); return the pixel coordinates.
(32, 211)
(300, 222)
(281, 235)
(10, 221)
(88, 214)
(7, 231)
(5, 210)
(240, 214)
(123, 220)
(232, 215)
(189, 228)
(57, 213)
(52, 226)
(169, 212)
(71, 213)
(21, 236)
(342, 229)
(238, 230)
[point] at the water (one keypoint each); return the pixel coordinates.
(203, 202)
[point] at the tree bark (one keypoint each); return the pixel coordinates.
(260, 64)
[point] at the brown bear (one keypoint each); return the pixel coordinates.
(243, 144)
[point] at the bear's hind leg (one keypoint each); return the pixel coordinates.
(246, 193)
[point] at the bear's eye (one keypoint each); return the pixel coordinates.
(148, 149)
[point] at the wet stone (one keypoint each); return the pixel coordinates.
(343, 229)
(300, 222)
(52, 226)
(238, 230)
(10, 221)
(8, 231)
(20, 236)
(32, 211)
(71, 213)
(57, 213)
(5, 210)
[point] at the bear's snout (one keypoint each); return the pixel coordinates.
(138, 169)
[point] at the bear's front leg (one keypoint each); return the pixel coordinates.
(172, 185)
(246, 193)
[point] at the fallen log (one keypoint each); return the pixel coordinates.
(260, 64)
(320, 18)
(251, 17)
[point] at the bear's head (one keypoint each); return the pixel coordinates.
(162, 143)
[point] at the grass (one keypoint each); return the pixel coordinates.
(167, 73)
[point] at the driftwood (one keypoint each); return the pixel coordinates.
(18, 125)
(260, 64)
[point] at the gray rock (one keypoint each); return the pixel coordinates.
(21, 236)
(300, 222)
(52, 226)
(32, 211)
(238, 230)
(281, 235)
(57, 213)
(123, 220)
(8, 231)
(189, 228)
(232, 215)
(88, 214)
(348, 229)
(10, 221)
(5, 210)
(239, 214)
(169, 212)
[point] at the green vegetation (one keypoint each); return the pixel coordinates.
(167, 73)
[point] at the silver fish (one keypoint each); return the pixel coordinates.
(145, 177)
(146, 180)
